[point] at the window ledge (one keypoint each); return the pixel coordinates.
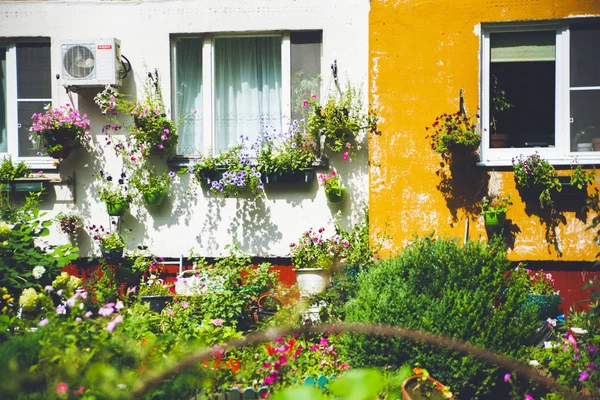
(45, 163)
(182, 161)
(585, 160)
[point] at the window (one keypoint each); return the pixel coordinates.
(25, 88)
(541, 91)
(231, 85)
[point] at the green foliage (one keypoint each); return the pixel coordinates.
(111, 190)
(534, 170)
(339, 120)
(313, 250)
(147, 181)
(24, 250)
(452, 131)
(499, 103)
(284, 152)
(9, 171)
(495, 204)
(332, 184)
(437, 286)
(580, 178)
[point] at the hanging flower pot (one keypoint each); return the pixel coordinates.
(336, 196)
(116, 209)
(154, 199)
(495, 220)
(61, 153)
(59, 130)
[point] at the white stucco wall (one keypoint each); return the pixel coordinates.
(263, 227)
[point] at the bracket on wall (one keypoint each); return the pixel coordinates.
(334, 72)
(461, 106)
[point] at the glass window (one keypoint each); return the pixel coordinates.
(522, 89)
(3, 134)
(188, 95)
(305, 76)
(247, 87)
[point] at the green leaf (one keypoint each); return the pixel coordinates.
(359, 384)
(302, 392)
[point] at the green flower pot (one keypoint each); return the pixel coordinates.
(154, 199)
(495, 220)
(116, 209)
(335, 196)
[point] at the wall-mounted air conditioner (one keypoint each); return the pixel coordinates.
(91, 62)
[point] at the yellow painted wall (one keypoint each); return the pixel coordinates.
(422, 52)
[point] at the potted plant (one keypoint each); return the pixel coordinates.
(154, 290)
(315, 258)
(114, 194)
(334, 191)
(423, 386)
(285, 157)
(59, 130)
(111, 244)
(453, 133)
(152, 130)
(69, 223)
(151, 185)
(9, 172)
(338, 121)
(494, 209)
(228, 173)
(499, 105)
(542, 293)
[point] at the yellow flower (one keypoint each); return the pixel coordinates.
(6, 296)
(4, 309)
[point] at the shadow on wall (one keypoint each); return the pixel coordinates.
(462, 183)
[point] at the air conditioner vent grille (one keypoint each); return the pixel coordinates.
(79, 62)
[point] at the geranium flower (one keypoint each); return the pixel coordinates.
(62, 387)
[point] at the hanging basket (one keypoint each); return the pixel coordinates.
(495, 220)
(116, 209)
(336, 196)
(154, 199)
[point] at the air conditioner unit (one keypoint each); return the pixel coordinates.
(91, 62)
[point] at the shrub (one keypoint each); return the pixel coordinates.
(438, 286)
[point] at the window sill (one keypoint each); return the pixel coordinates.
(43, 163)
(182, 161)
(579, 158)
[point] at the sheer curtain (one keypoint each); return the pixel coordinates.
(188, 61)
(3, 138)
(247, 87)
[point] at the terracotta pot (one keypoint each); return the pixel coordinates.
(596, 144)
(405, 392)
(499, 141)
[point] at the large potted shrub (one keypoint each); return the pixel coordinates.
(59, 130)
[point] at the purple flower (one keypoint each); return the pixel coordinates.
(113, 323)
(528, 397)
(584, 375)
(506, 377)
(61, 309)
(43, 322)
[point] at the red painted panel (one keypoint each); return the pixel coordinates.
(569, 284)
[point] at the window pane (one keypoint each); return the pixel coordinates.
(3, 142)
(188, 96)
(522, 90)
(25, 110)
(586, 118)
(33, 71)
(305, 69)
(585, 55)
(523, 46)
(247, 87)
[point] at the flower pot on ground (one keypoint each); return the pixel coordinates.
(312, 280)
(419, 387)
(59, 130)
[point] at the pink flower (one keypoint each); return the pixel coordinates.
(216, 322)
(62, 387)
(345, 156)
(506, 377)
(344, 366)
(584, 375)
(314, 97)
(79, 391)
(43, 322)
(170, 312)
(160, 146)
(217, 351)
(305, 103)
(571, 339)
(184, 304)
(113, 323)
(282, 360)
(528, 397)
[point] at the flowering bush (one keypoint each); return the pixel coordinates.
(108, 100)
(59, 128)
(314, 251)
(69, 223)
(534, 170)
(495, 204)
(541, 282)
(452, 131)
(333, 187)
(284, 152)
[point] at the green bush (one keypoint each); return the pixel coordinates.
(438, 286)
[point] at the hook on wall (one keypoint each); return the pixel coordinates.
(334, 72)
(461, 106)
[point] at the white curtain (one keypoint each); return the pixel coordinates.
(188, 53)
(247, 87)
(3, 142)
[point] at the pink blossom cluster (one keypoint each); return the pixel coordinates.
(63, 117)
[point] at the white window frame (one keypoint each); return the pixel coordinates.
(561, 154)
(12, 128)
(208, 75)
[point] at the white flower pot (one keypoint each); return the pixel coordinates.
(312, 280)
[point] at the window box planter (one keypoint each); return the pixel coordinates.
(157, 302)
(300, 177)
(209, 175)
(24, 185)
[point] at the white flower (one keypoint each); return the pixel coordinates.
(535, 363)
(38, 272)
(548, 345)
